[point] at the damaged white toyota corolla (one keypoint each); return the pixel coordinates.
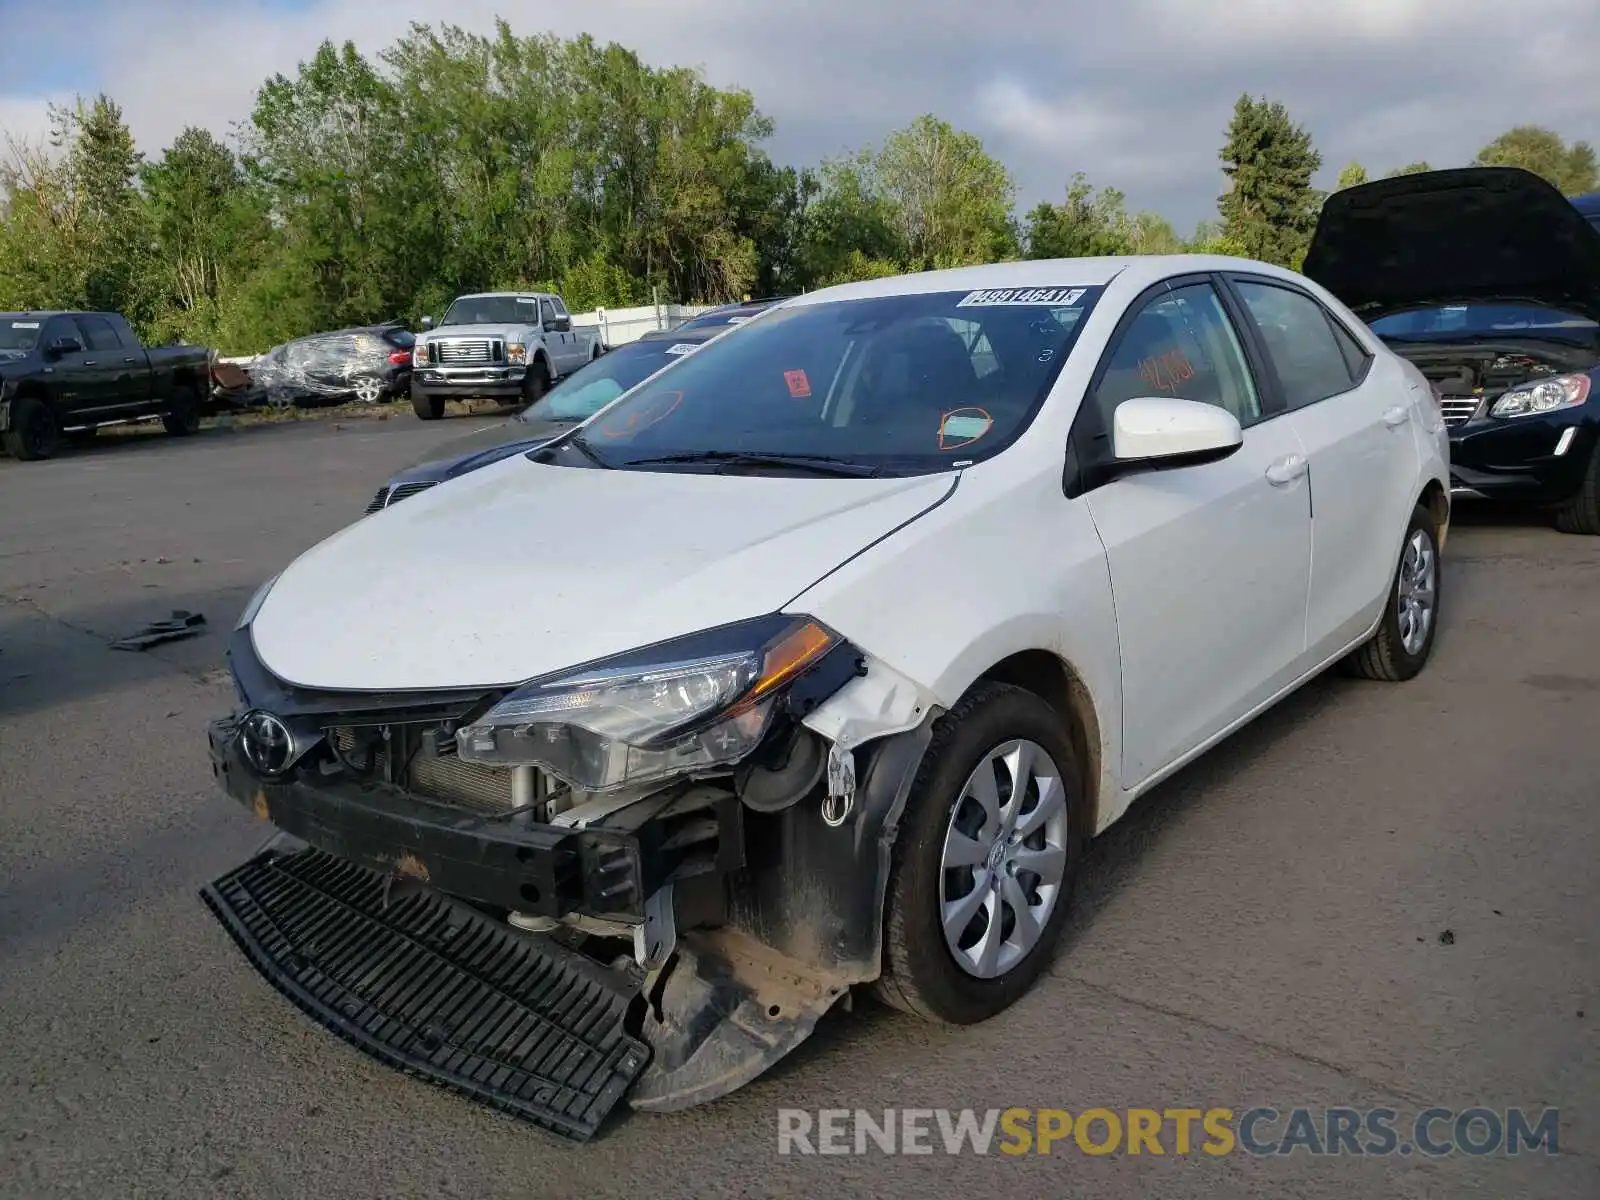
(815, 660)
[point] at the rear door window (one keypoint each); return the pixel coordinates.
(97, 333)
(1300, 342)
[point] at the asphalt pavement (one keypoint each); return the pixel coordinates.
(1374, 896)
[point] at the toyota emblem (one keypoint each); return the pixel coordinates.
(266, 742)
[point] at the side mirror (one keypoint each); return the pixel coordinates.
(63, 345)
(562, 325)
(427, 323)
(1162, 431)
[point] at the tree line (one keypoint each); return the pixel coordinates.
(360, 190)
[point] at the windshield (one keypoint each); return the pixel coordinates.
(585, 392)
(903, 384)
(18, 335)
(1482, 320)
(492, 310)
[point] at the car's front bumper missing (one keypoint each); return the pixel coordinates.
(498, 859)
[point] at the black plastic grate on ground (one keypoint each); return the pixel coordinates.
(436, 989)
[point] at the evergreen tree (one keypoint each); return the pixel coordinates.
(1270, 208)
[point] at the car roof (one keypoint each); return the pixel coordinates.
(499, 295)
(1140, 270)
(678, 335)
(41, 313)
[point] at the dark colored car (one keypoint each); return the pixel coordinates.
(68, 373)
(729, 314)
(1589, 206)
(1487, 279)
(368, 363)
(574, 400)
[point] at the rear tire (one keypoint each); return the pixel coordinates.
(1580, 513)
(182, 418)
(1404, 638)
(535, 382)
(952, 846)
(34, 432)
(427, 408)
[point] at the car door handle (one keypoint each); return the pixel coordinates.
(127, 360)
(91, 362)
(1287, 469)
(1395, 417)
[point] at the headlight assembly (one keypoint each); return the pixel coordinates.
(688, 705)
(1548, 395)
(516, 353)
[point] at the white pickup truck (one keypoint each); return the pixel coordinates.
(511, 345)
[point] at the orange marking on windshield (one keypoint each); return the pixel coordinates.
(799, 385)
(968, 418)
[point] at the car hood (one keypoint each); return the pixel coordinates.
(1483, 234)
(521, 569)
(479, 449)
(501, 329)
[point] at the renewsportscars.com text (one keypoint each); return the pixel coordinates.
(1432, 1133)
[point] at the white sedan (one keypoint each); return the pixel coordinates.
(911, 585)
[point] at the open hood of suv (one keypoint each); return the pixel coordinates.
(1475, 234)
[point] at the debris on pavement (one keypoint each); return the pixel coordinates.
(180, 625)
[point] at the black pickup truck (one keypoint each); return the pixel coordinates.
(68, 373)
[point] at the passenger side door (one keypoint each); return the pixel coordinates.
(1357, 427)
(108, 368)
(1209, 563)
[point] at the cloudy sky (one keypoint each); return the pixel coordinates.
(1135, 92)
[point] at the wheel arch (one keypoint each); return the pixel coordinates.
(1435, 497)
(1046, 675)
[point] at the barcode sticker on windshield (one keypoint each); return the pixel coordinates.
(737, 320)
(24, 324)
(997, 297)
(682, 348)
(527, 299)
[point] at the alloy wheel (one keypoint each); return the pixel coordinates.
(1005, 854)
(1417, 591)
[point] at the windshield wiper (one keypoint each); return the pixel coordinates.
(821, 464)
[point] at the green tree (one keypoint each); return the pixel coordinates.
(929, 197)
(1353, 175)
(850, 225)
(1210, 238)
(212, 232)
(951, 201)
(1570, 168)
(1270, 207)
(1087, 224)
(1416, 168)
(74, 233)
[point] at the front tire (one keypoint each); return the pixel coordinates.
(1580, 513)
(182, 418)
(427, 408)
(1404, 638)
(535, 382)
(34, 433)
(987, 856)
